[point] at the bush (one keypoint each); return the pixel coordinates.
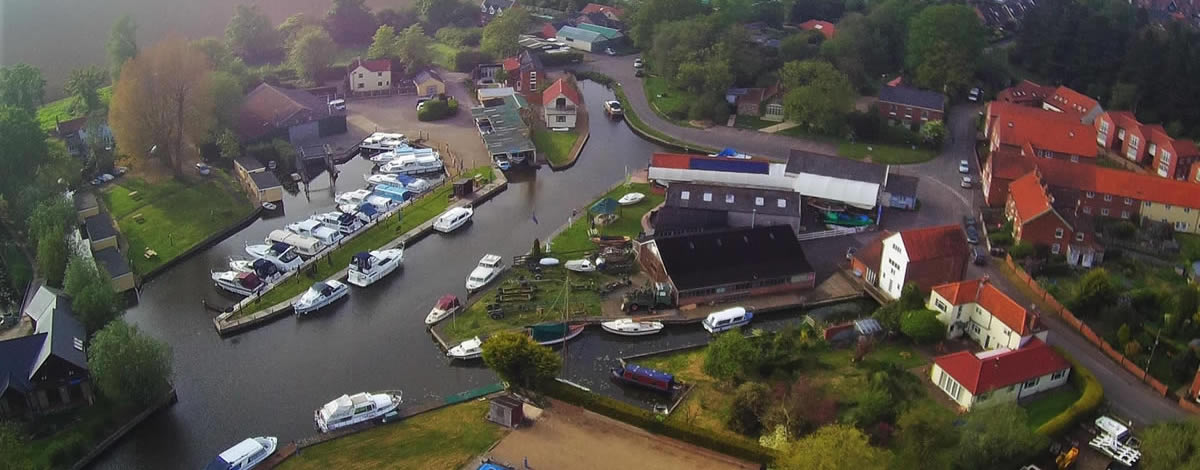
(460, 37)
(1000, 238)
(922, 326)
(561, 58)
(595, 77)
(465, 61)
(866, 126)
(1021, 250)
(749, 401)
(66, 451)
(1093, 395)
(437, 109)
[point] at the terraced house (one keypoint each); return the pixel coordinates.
(1147, 145)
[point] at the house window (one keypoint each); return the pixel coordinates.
(975, 328)
(758, 201)
(361, 84)
(707, 197)
(378, 83)
(1187, 210)
(1103, 211)
(1058, 375)
(1153, 148)
(1120, 133)
(1128, 201)
(1075, 158)
(360, 75)
(684, 195)
(1181, 226)
(1167, 206)
(1164, 168)
(893, 263)
(1033, 382)
(378, 74)
(940, 305)
(781, 203)
(1108, 198)
(1079, 237)
(1090, 195)
(560, 119)
(1146, 203)
(1165, 157)
(1058, 233)
(949, 385)
(1103, 127)
(729, 199)
(1087, 210)
(1055, 248)
(1124, 214)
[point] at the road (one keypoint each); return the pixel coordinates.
(942, 202)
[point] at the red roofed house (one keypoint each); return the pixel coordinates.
(1147, 145)
(986, 315)
(1026, 93)
(999, 376)
(1003, 166)
(1061, 100)
(523, 72)
(826, 28)
(559, 103)
(865, 262)
(609, 11)
(1052, 135)
(270, 112)
(1038, 221)
(368, 76)
(926, 256)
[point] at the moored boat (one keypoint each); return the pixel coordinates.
(452, 219)
(446, 305)
(488, 269)
(368, 267)
(551, 334)
(343, 222)
(241, 283)
(321, 293)
(610, 240)
(631, 199)
(244, 455)
(284, 256)
(469, 349)
(727, 319)
(348, 410)
(581, 265)
(355, 197)
(312, 227)
(631, 327)
(304, 245)
(413, 164)
(645, 377)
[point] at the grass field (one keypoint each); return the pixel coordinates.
(556, 146)
(751, 122)
(443, 55)
(885, 153)
(576, 238)
(61, 109)
(1050, 404)
(410, 217)
(668, 101)
(175, 215)
(445, 439)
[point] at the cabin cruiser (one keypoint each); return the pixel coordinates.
(305, 246)
(393, 193)
(380, 141)
(452, 219)
(283, 255)
(469, 349)
(631, 327)
(402, 151)
(727, 319)
(368, 267)
(502, 162)
(321, 293)
(314, 228)
(364, 211)
(244, 455)
(348, 410)
(488, 269)
(445, 306)
(581, 265)
(553, 334)
(355, 197)
(613, 108)
(241, 283)
(343, 222)
(409, 183)
(413, 165)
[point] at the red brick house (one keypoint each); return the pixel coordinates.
(1036, 220)
(1051, 134)
(1003, 166)
(910, 106)
(1058, 99)
(927, 256)
(1026, 93)
(1147, 145)
(524, 71)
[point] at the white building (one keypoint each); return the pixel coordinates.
(560, 103)
(999, 376)
(979, 310)
(370, 75)
(926, 256)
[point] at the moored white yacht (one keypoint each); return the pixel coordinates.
(409, 183)
(631, 327)
(368, 267)
(469, 349)
(244, 455)
(283, 255)
(452, 219)
(488, 269)
(413, 164)
(348, 410)
(445, 306)
(355, 197)
(321, 293)
(314, 228)
(304, 245)
(241, 283)
(343, 222)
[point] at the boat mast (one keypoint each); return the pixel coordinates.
(566, 316)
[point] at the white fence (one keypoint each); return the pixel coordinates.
(832, 233)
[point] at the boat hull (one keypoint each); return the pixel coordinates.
(361, 279)
(322, 426)
(621, 332)
(436, 315)
(242, 291)
(307, 309)
(572, 332)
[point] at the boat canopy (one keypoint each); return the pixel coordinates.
(280, 247)
(264, 267)
(368, 209)
(395, 193)
(304, 243)
(322, 287)
(447, 302)
(604, 206)
(362, 259)
(548, 332)
(647, 372)
(248, 280)
(236, 453)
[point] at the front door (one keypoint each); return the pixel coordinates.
(987, 341)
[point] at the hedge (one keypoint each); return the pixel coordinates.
(561, 58)
(467, 60)
(1093, 395)
(733, 446)
(595, 77)
(436, 109)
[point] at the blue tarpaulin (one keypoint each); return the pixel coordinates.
(604, 206)
(727, 152)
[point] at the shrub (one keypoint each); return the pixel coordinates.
(437, 109)
(922, 326)
(65, 451)
(465, 61)
(561, 58)
(748, 403)
(1093, 395)
(866, 126)
(1021, 250)
(459, 36)
(999, 238)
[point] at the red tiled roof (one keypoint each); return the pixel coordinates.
(511, 63)
(826, 28)
(560, 87)
(1142, 187)
(70, 126)
(1046, 130)
(681, 161)
(1029, 197)
(377, 65)
(871, 254)
(979, 291)
(549, 31)
(1023, 92)
(933, 242)
(979, 376)
(607, 10)
(1008, 163)
(1071, 101)
(752, 96)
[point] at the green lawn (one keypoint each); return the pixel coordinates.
(1050, 404)
(443, 55)
(445, 439)
(61, 109)
(556, 146)
(1189, 246)
(410, 217)
(175, 216)
(669, 102)
(885, 153)
(576, 238)
(752, 122)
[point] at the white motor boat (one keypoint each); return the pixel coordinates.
(304, 245)
(548, 261)
(321, 293)
(244, 455)
(409, 183)
(355, 197)
(413, 165)
(343, 222)
(348, 410)
(727, 319)
(314, 228)
(261, 267)
(452, 219)
(488, 269)
(581, 265)
(630, 327)
(445, 306)
(631, 199)
(241, 283)
(469, 349)
(283, 255)
(384, 157)
(368, 267)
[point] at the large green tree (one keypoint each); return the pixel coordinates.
(436, 14)
(944, 43)
(833, 447)
(251, 35)
(818, 96)
(350, 22)
(291, 27)
(22, 149)
(922, 326)
(385, 44)
(122, 45)
(84, 85)
(926, 437)
(994, 437)
(727, 356)
(648, 14)
(500, 34)
(92, 297)
(227, 95)
(1171, 446)
(129, 367)
(520, 361)
(414, 48)
(312, 52)
(22, 86)
(1094, 293)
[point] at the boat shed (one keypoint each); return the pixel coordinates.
(117, 267)
(730, 264)
(900, 191)
(733, 206)
(504, 133)
(100, 231)
(506, 411)
(837, 179)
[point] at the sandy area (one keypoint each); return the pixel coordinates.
(567, 437)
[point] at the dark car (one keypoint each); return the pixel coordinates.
(972, 235)
(978, 257)
(998, 251)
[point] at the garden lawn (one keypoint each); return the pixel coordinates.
(416, 213)
(445, 439)
(885, 154)
(556, 146)
(60, 110)
(443, 55)
(1050, 404)
(752, 122)
(667, 100)
(575, 237)
(1189, 246)
(176, 216)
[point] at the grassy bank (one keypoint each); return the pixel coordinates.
(670, 103)
(576, 238)
(387, 230)
(631, 116)
(172, 217)
(445, 439)
(1050, 404)
(61, 110)
(886, 154)
(556, 146)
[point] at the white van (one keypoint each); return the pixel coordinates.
(339, 105)
(727, 319)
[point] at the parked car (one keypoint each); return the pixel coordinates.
(639, 72)
(338, 105)
(974, 94)
(610, 51)
(850, 252)
(203, 169)
(964, 167)
(972, 235)
(977, 256)
(969, 220)
(637, 63)
(966, 182)
(998, 251)
(120, 170)
(421, 102)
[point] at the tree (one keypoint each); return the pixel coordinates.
(727, 356)
(350, 22)
(227, 141)
(398, 19)
(1186, 301)
(22, 150)
(922, 326)
(129, 367)
(1023, 249)
(22, 86)
(800, 46)
(749, 402)
(944, 42)
(520, 361)
(122, 45)
(385, 44)
(818, 96)
(500, 35)
(227, 96)
(52, 258)
(163, 101)
(834, 447)
(1171, 445)
(890, 315)
(290, 29)
(648, 14)
(311, 53)
(1123, 334)
(414, 49)
(250, 34)
(1094, 293)
(84, 85)
(927, 434)
(92, 297)
(871, 406)
(996, 436)
(933, 132)
(436, 14)
(50, 218)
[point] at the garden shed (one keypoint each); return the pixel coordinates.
(506, 411)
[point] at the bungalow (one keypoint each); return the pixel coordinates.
(1147, 145)
(610, 35)
(697, 206)
(429, 83)
(100, 231)
(260, 184)
(910, 106)
(748, 101)
(368, 76)
(270, 112)
(117, 267)
(46, 371)
(582, 39)
(826, 28)
(559, 104)
(523, 72)
(1051, 134)
(999, 376)
(927, 256)
(979, 310)
(726, 265)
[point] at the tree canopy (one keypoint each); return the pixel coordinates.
(129, 367)
(520, 361)
(833, 447)
(251, 35)
(92, 297)
(414, 48)
(648, 14)
(350, 22)
(22, 86)
(436, 14)
(995, 436)
(727, 356)
(84, 85)
(122, 45)
(385, 44)
(926, 435)
(1171, 445)
(922, 326)
(500, 35)
(311, 53)
(944, 42)
(818, 96)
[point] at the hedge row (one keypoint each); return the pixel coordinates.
(436, 109)
(595, 77)
(737, 447)
(1093, 395)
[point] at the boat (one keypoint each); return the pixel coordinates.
(548, 261)
(610, 240)
(241, 283)
(613, 108)
(269, 206)
(452, 219)
(321, 293)
(355, 197)
(348, 410)
(581, 265)
(502, 162)
(313, 227)
(381, 141)
(244, 455)
(469, 349)
(847, 220)
(283, 255)
(402, 151)
(343, 222)
(645, 377)
(409, 183)
(368, 267)
(305, 246)
(727, 319)
(631, 327)
(413, 164)
(394, 193)
(447, 305)
(552, 334)
(631, 199)
(488, 269)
